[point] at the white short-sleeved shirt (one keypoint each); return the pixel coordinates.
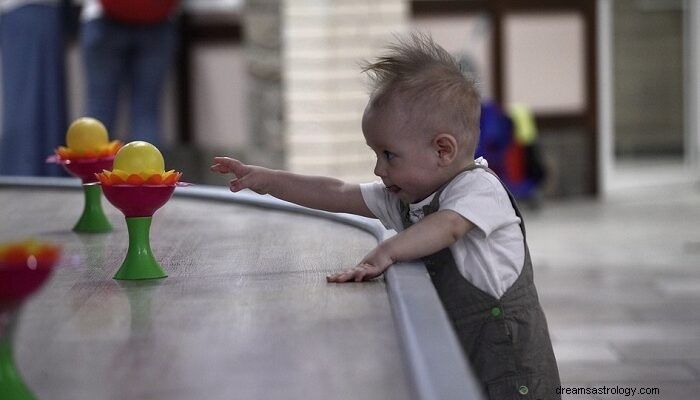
(491, 255)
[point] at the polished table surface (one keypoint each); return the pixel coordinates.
(244, 314)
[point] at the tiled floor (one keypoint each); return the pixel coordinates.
(620, 283)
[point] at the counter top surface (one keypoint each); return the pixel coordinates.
(245, 312)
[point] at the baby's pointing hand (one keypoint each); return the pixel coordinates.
(226, 165)
(250, 177)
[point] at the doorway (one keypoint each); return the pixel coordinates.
(648, 123)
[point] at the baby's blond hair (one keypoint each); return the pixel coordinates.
(437, 95)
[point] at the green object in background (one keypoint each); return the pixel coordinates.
(139, 262)
(11, 385)
(93, 219)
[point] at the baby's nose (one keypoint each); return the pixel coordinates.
(379, 170)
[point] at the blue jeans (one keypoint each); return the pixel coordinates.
(33, 89)
(134, 57)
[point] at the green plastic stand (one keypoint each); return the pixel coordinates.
(93, 219)
(11, 385)
(139, 262)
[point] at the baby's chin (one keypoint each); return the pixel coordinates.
(413, 199)
(405, 196)
(398, 192)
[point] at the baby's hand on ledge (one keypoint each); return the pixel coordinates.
(373, 265)
(362, 272)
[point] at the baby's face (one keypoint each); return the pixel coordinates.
(406, 161)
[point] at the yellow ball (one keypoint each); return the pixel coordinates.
(86, 134)
(137, 157)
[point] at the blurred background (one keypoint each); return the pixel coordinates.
(592, 116)
(612, 85)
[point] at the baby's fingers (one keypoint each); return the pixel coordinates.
(219, 168)
(356, 274)
(237, 184)
(226, 165)
(221, 164)
(339, 277)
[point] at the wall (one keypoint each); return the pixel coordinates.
(292, 97)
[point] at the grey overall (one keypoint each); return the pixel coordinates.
(506, 340)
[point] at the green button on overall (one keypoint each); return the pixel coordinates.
(523, 390)
(496, 311)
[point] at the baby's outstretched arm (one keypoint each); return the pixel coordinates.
(432, 234)
(309, 191)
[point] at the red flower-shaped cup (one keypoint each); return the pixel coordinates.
(138, 200)
(85, 166)
(86, 169)
(24, 267)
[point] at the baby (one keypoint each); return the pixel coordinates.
(451, 211)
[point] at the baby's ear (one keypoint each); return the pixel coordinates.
(446, 147)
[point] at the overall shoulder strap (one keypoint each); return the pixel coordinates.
(513, 203)
(435, 203)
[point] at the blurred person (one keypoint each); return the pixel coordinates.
(128, 44)
(451, 211)
(34, 119)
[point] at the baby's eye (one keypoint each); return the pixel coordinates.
(389, 155)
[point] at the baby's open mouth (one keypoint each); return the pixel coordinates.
(393, 188)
